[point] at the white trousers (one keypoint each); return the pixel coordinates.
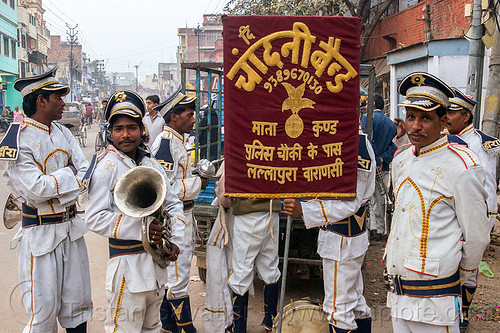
(179, 270)
(344, 301)
(407, 326)
(253, 246)
(132, 312)
(55, 286)
(218, 313)
(377, 216)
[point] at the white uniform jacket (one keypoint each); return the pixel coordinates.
(489, 163)
(104, 217)
(185, 185)
(41, 178)
(439, 224)
(317, 213)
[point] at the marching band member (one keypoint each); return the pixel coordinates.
(44, 169)
(169, 150)
(459, 122)
(135, 284)
(342, 244)
(440, 226)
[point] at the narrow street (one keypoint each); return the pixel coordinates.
(13, 317)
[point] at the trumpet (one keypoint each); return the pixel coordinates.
(207, 169)
(140, 192)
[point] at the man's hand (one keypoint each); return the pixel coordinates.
(155, 231)
(72, 167)
(292, 207)
(204, 182)
(175, 252)
(401, 127)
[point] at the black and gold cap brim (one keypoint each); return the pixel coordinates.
(420, 103)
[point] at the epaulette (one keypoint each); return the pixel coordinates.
(456, 139)
(467, 156)
(9, 147)
(164, 155)
(364, 159)
(90, 171)
(490, 144)
(401, 149)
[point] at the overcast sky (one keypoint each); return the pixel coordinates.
(128, 32)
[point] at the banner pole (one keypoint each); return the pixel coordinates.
(285, 267)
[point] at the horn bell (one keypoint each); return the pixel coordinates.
(140, 191)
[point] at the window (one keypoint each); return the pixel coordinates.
(5, 1)
(12, 4)
(14, 46)
(6, 46)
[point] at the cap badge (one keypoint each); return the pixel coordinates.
(120, 96)
(418, 79)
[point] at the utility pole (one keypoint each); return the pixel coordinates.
(72, 40)
(100, 75)
(476, 60)
(137, 77)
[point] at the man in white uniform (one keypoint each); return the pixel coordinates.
(44, 168)
(440, 226)
(342, 243)
(152, 120)
(135, 284)
(459, 122)
(169, 150)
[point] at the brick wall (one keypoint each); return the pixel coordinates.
(406, 27)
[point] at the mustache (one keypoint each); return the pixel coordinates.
(126, 141)
(419, 133)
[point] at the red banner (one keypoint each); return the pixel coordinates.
(291, 104)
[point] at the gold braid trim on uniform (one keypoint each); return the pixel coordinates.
(119, 303)
(424, 235)
(444, 144)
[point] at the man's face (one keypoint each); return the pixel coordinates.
(423, 127)
(126, 134)
(150, 105)
(456, 121)
(54, 106)
(184, 122)
(104, 105)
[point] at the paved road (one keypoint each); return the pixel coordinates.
(13, 317)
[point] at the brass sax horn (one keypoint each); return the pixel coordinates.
(140, 192)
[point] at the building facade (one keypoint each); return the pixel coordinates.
(59, 55)
(9, 70)
(423, 36)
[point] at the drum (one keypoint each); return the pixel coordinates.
(303, 316)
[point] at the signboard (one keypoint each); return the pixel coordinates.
(291, 90)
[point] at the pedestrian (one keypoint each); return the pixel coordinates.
(169, 150)
(18, 115)
(459, 122)
(152, 120)
(134, 282)
(89, 112)
(44, 173)
(440, 226)
(342, 244)
(384, 131)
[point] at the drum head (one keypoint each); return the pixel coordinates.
(303, 317)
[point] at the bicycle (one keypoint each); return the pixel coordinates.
(82, 139)
(100, 140)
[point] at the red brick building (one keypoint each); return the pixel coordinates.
(445, 20)
(58, 55)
